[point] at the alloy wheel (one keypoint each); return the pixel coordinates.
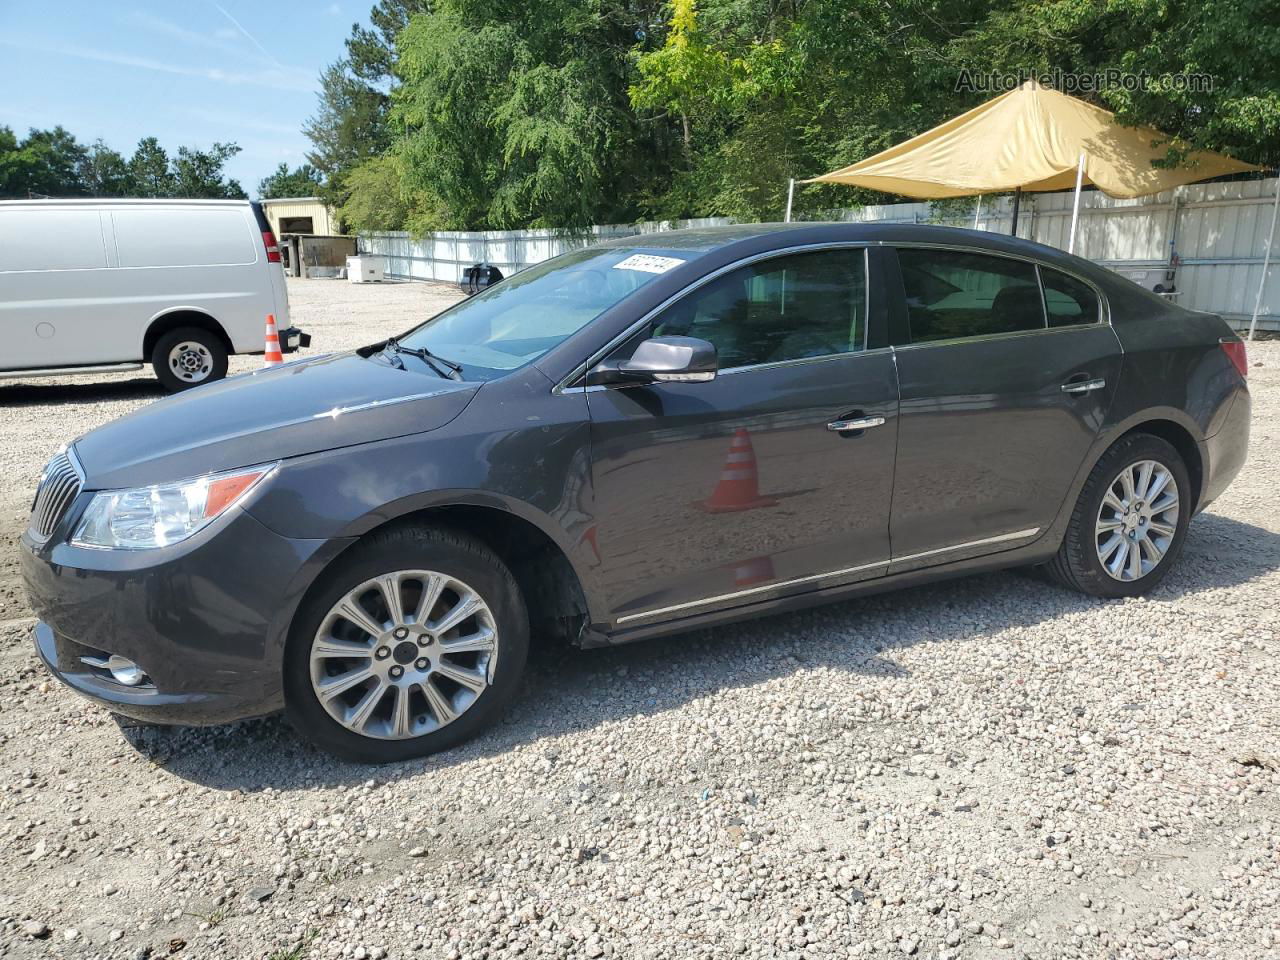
(404, 654)
(1137, 520)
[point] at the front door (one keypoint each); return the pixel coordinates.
(1001, 400)
(712, 495)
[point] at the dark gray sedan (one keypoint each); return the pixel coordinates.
(655, 434)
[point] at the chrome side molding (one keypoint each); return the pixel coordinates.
(783, 584)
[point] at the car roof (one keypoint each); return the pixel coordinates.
(708, 239)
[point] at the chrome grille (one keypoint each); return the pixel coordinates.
(59, 485)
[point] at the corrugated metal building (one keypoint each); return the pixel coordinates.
(306, 215)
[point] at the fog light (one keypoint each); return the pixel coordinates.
(122, 669)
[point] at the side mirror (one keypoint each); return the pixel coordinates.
(660, 360)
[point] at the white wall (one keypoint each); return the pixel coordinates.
(1218, 231)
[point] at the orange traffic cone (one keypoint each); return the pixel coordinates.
(739, 486)
(271, 356)
(753, 571)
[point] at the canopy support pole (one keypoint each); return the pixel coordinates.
(791, 192)
(1075, 207)
(977, 211)
(1266, 261)
(1017, 198)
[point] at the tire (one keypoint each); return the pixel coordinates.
(1079, 563)
(188, 357)
(353, 726)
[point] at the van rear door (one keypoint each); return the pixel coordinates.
(279, 288)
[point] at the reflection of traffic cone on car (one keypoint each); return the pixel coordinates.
(271, 356)
(739, 486)
(750, 572)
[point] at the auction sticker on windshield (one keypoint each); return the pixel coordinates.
(648, 263)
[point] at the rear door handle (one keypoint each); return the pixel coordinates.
(1083, 386)
(858, 423)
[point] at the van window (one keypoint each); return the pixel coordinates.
(183, 236)
(1067, 300)
(51, 239)
(953, 293)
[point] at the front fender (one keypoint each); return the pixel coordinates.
(537, 469)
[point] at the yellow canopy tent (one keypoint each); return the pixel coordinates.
(1032, 138)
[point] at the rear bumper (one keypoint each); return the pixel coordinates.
(1226, 450)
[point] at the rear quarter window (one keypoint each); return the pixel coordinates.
(1068, 301)
(50, 239)
(181, 237)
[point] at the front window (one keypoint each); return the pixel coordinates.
(522, 318)
(794, 307)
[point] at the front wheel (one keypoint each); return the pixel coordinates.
(1130, 521)
(412, 644)
(188, 357)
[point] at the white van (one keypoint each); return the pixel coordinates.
(95, 286)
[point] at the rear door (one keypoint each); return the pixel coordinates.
(712, 495)
(1001, 399)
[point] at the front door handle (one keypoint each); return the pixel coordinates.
(858, 423)
(1083, 386)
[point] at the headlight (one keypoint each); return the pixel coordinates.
(149, 517)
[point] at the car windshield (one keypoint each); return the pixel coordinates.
(520, 319)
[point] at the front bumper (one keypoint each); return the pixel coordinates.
(291, 339)
(206, 619)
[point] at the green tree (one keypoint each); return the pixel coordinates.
(376, 198)
(517, 114)
(105, 173)
(198, 173)
(149, 170)
(47, 163)
(352, 122)
(301, 181)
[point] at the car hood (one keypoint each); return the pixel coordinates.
(287, 411)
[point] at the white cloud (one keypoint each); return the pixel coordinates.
(281, 78)
(334, 9)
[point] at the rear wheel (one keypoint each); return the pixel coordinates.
(1130, 521)
(412, 645)
(188, 357)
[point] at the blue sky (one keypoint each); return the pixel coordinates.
(188, 73)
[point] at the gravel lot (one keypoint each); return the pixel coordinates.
(992, 767)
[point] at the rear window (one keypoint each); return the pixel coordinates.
(50, 239)
(953, 294)
(184, 236)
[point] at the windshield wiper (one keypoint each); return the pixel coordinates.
(434, 361)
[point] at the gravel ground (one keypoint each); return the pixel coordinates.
(992, 767)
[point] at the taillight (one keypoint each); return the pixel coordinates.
(1235, 350)
(273, 249)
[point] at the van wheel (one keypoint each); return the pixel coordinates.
(413, 642)
(188, 357)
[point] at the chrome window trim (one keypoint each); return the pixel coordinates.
(990, 337)
(565, 383)
(752, 591)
